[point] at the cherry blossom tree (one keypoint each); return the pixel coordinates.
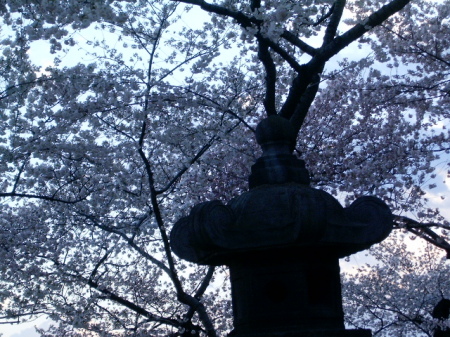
(398, 296)
(149, 107)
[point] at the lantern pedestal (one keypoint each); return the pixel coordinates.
(282, 241)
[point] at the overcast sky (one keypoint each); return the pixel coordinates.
(23, 329)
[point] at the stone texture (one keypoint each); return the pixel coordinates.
(307, 333)
(279, 215)
(282, 241)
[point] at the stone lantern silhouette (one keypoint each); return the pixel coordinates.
(282, 241)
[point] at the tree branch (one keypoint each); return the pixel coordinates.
(41, 197)
(219, 106)
(129, 241)
(301, 111)
(357, 31)
(130, 305)
(241, 18)
(255, 4)
(201, 290)
(182, 296)
(424, 231)
(280, 51)
(336, 15)
(186, 167)
(303, 46)
(419, 48)
(298, 87)
(99, 263)
(271, 76)
(16, 316)
(22, 167)
(315, 66)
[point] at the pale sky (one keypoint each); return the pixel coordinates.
(23, 329)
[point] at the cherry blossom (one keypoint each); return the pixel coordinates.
(148, 108)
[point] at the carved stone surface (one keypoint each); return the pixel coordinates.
(284, 215)
(277, 165)
(282, 240)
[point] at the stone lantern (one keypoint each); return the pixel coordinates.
(282, 241)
